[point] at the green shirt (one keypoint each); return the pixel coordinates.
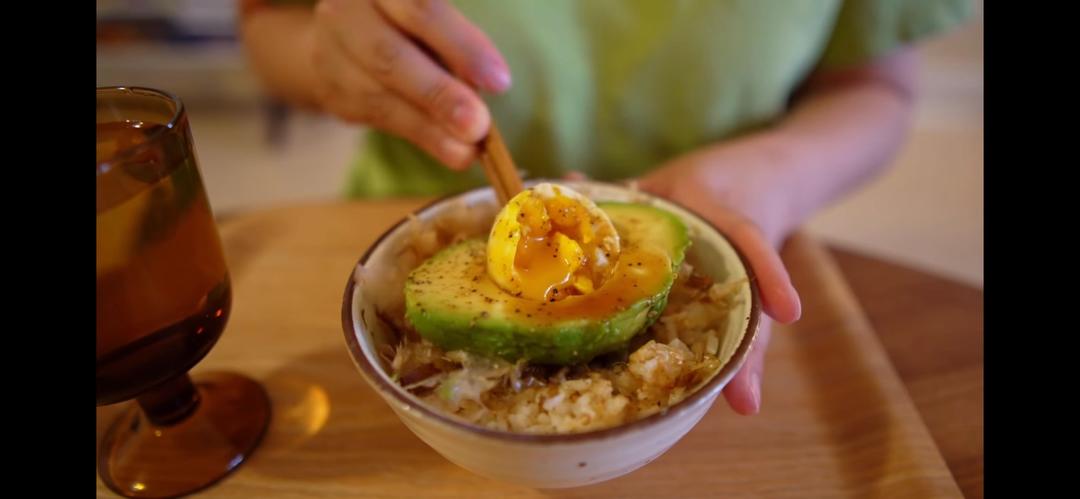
(613, 88)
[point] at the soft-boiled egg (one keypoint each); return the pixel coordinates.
(550, 242)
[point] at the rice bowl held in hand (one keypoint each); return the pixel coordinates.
(524, 341)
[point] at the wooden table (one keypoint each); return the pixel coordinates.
(932, 329)
(847, 412)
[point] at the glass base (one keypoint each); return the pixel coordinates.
(141, 459)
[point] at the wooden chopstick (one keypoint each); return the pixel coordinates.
(499, 166)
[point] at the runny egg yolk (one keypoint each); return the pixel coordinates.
(550, 242)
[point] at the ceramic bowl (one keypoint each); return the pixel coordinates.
(544, 461)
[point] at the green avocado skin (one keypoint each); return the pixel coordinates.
(450, 301)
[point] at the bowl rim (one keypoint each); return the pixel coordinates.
(377, 379)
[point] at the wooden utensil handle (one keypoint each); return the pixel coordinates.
(499, 166)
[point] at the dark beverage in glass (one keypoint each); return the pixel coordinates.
(163, 299)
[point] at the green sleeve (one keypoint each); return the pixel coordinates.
(866, 29)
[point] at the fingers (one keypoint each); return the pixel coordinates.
(779, 298)
(459, 43)
(743, 392)
(398, 64)
(357, 98)
(387, 111)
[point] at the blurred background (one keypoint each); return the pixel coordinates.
(926, 211)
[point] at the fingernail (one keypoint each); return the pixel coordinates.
(496, 77)
(755, 391)
(461, 117)
(797, 300)
(449, 147)
(453, 149)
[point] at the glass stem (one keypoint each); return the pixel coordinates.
(170, 402)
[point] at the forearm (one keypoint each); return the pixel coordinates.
(278, 41)
(843, 130)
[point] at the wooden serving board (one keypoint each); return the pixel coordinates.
(836, 419)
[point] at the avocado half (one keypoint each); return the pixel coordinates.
(451, 301)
